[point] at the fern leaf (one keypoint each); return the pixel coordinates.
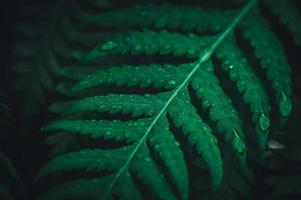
(47, 46)
(288, 14)
(90, 189)
(158, 17)
(235, 63)
(167, 149)
(117, 130)
(113, 103)
(149, 42)
(208, 91)
(27, 55)
(150, 158)
(272, 58)
(87, 159)
(155, 76)
(143, 166)
(199, 134)
(207, 148)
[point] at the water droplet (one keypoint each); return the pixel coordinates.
(148, 81)
(273, 144)
(268, 61)
(205, 128)
(206, 104)
(127, 135)
(150, 112)
(209, 69)
(177, 144)
(167, 47)
(138, 47)
(264, 122)
(201, 90)
(172, 83)
(143, 13)
(191, 52)
(285, 105)
(213, 140)
(238, 143)
(147, 159)
(109, 45)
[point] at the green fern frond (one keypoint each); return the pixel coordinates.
(117, 130)
(235, 63)
(205, 143)
(162, 17)
(288, 15)
(272, 58)
(149, 42)
(90, 189)
(156, 76)
(46, 50)
(161, 143)
(156, 115)
(212, 97)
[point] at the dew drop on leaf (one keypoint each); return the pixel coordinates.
(238, 143)
(172, 83)
(167, 47)
(273, 144)
(285, 105)
(143, 13)
(213, 140)
(147, 159)
(206, 104)
(205, 128)
(148, 81)
(107, 46)
(264, 122)
(150, 112)
(138, 47)
(201, 90)
(191, 52)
